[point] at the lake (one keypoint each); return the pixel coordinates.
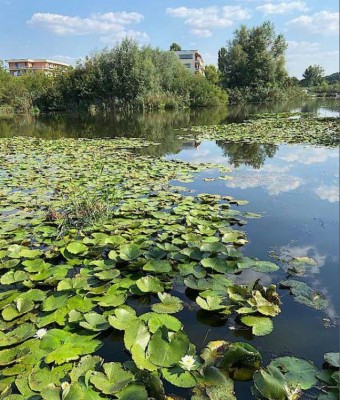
(294, 187)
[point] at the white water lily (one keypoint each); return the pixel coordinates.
(188, 362)
(40, 333)
(65, 386)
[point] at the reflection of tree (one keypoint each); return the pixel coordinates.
(254, 154)
(156, 127)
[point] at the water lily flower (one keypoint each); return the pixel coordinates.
(188, 363)
(65, 386)
(40, 333)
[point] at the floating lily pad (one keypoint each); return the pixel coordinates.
(305, 295)
(169, 304)
(261, 326)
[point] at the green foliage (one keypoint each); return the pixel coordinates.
(212, 74)
(175, 47)
(313, 75)
(253, 58)
(125, 77)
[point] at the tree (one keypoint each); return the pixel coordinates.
(333, 78)
(255, 57)
(313, 75)
(212, 74)
(175, 47)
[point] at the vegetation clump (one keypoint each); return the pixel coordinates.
(276, 128)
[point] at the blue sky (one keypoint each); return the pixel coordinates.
(67, 30)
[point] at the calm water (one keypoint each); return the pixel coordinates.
(294, 187)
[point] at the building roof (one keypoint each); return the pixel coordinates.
(36, 60)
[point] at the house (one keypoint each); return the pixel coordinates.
(18, 67)
(192, 60)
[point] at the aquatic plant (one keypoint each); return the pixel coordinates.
(66, 285)
(275, 129)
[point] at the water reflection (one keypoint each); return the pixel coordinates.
(253, 155)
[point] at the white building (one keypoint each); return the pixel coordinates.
(192, 60)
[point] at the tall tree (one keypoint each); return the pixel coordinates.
(255, 57)
(313, 75)
(212, 74)
(175, 47)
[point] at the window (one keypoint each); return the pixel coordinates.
(187, 65)
(186, 56)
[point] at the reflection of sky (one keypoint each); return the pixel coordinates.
(273, 183)
(293, 167)
(297, 192)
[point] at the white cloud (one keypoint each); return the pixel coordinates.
(282, 8)
(201, 32)
(110, 25)
(304, 53)
(205, 19)
(302, 46)
(330, 193)
(324, 22)
(140, 37)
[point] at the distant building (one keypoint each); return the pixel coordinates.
(192, 60)
(18, 67)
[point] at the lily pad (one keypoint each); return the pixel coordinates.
(169, 304)
(261, 326)
(166, 349)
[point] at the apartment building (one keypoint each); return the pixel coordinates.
(18, 67)
(192, 60)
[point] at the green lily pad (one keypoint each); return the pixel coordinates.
(113, 380)
(210, 303)
(261, 326)
(241, 360)
(157, 266)
(156, 321)
(95, 322)
(133, 391)
(167, 348)
(130, 252)
(169, 304)
(17, 335)
(333, 359)
(76, 248)
(179, 377)
(297, 372)
(149, 284)
(305, 295)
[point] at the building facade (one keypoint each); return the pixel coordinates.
(192, 60)
(18, 67)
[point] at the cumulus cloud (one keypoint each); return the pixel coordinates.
(140, 37)
(201, 32)
(329, 193)
(282, 8)
(204, 20)
(111, 25)
(324, 22)
(303, 53)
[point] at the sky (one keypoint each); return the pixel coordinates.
(68, 30)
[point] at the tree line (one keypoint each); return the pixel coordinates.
(251, 68)
(124, 77)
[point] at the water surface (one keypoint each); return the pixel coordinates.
(294, 187)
